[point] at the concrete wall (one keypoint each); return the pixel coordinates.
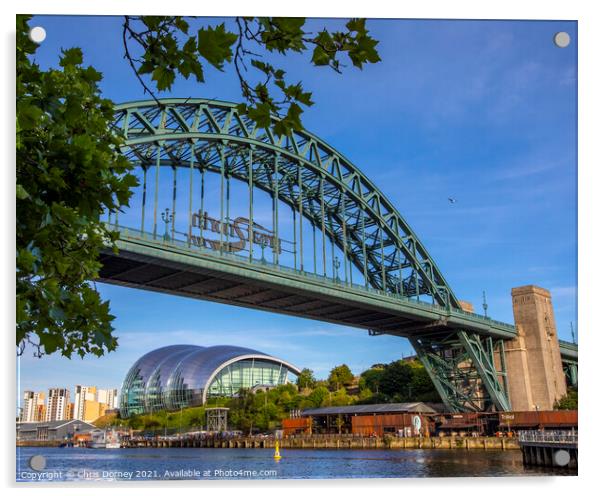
(535, 376)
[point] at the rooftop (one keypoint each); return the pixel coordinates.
(55, 424)
(417, 407)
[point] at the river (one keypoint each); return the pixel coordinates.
(81, 464)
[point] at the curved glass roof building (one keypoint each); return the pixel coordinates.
(183, 375)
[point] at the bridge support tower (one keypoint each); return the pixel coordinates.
(534, 366)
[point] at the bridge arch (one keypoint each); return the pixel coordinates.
(406, 293)
(299, 170)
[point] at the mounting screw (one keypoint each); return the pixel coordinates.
(562, 39)
(37, 34)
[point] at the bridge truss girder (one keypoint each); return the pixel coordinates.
(570, 368)
(299, 170)
(463, 368)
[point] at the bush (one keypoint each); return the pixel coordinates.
(568, 402)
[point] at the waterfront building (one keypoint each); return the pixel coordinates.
(58, 401)
(56, 430)
(399, 419)
(179, 376)
(33, 407)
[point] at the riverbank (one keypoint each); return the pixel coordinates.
(317, 442)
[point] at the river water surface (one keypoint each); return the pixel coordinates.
(81, 464)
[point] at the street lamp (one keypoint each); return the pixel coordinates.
(485, 306)
(337, 264)
(573, 334)
(263, 246)
(167, 217)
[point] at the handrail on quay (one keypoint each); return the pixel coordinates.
(556, 437)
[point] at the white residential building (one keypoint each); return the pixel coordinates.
(33, 406)
(58, 404)
(108, 397)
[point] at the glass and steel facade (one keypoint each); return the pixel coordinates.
(186, 375)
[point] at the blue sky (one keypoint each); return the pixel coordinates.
(483, 111)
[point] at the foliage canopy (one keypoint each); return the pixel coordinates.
(70, 169)
(163, 47)
(69, 166)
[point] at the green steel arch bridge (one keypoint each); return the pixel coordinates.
(232, 213)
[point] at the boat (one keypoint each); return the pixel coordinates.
(112, 440)
(104, 439)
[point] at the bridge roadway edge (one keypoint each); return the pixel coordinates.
(239, 271)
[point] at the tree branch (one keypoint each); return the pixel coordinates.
(127, 30)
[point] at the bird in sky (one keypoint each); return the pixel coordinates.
(451, 200)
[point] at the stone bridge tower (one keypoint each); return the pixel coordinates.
(535, 375)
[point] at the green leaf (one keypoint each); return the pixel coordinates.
(51, 343)
(261, 115)
(214, 44)
(146, 67)
(262, 66)
(151, 22)
(28, 115)
(190, 45)
(57, 313)
(71, 57)
(293, 116)
(283, 34)
(320, 57)
(22, 194)
(25, 261)
(364, 51)
(357, 25)
(181, 24)
(164, 77)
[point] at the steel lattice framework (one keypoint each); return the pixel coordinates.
(339, 202)
(299, 170)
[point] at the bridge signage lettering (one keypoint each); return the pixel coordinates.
(239, 229)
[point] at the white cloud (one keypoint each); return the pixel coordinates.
(562, 292)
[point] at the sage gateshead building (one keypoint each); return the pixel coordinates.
(180, 376)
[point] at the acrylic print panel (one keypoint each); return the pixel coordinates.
(283, 248)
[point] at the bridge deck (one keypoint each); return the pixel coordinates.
(173, 267)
